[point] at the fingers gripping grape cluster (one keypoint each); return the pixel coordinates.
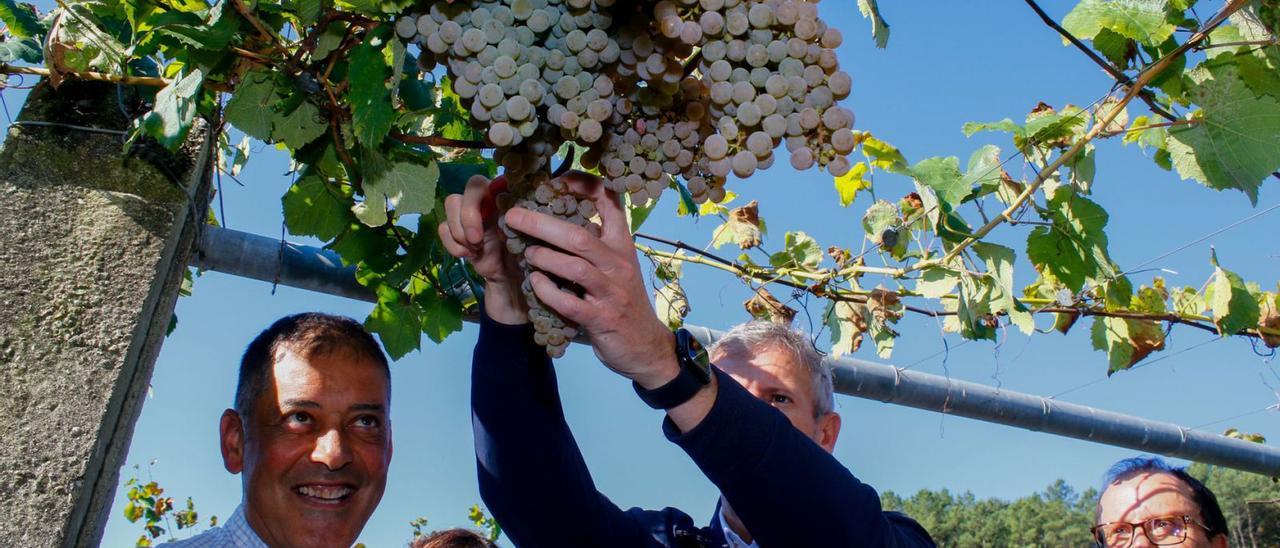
(694, 89)
(552, 198)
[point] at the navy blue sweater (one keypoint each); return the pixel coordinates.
(787, 490)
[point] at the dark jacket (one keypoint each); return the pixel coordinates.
(787, 489)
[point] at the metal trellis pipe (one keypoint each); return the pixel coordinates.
(305, 267)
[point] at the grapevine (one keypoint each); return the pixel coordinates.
(386, 106)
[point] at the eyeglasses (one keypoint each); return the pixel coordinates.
(1161, 531)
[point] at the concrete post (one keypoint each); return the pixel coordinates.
(93, 245)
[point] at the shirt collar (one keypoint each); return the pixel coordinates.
(731, 538)
(240, 533)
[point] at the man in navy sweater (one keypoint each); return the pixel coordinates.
(758, 423)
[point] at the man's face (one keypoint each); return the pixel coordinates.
(774, 376)
(1153, 495)
(315, 451)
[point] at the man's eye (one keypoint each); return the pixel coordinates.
(299, 418)
(367, 422)
(780, 398)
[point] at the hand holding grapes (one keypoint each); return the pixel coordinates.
(613, 309)
(470, 231)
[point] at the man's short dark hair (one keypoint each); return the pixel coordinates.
(452, 538)
(307, 334)
(1210, 511)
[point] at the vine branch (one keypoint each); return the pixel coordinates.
(1146, 95)
(154, 81)
(1144, 78)
(438, 141)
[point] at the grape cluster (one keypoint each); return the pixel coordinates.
(656, 92)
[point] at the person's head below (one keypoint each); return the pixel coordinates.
(452, 538)
(310, 432)
(780, 366)
(1147, 502)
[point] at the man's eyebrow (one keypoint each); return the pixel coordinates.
(304, 404)
(367, 407)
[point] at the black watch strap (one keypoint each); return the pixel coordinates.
(695, 373)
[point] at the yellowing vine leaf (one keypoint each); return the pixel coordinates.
(1126, 341)
(1234, 308)
(849, 184)
(845, 323)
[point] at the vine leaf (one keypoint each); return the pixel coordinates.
(1126, 341)
(743, 227)
(879, 28)
(1234, 308)
(943, 176)
(937, 281)
(441, 315)
(249, 108)
(800, 251)
(24, 49)
(999, 260)
(397, 322)
(1236, 142)
(1269, 318)
(1142, 20)
(846, 323)
(849, 184)
(299, 127)
(175, 110)
(1074, 248)
(671, 304)
(313, 207)
(405, 187)
(20, 19)
(371, 110)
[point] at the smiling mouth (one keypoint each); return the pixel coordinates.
(325, 494)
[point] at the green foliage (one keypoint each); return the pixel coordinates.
(1058, 516)
(332, 85)
(157, 513)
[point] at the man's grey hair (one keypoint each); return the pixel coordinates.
(758, 335)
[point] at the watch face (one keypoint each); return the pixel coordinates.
(693, 356)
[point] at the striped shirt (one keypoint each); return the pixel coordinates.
(233, 533)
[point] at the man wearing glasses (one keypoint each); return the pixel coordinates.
(1147, 502)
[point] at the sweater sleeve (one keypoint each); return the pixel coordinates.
(531, 472)
(787, 489)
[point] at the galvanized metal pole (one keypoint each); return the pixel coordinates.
(315, 269)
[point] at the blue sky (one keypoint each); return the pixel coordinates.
(947, 63)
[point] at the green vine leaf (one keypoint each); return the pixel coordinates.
(396, 321)
(1142, 20)
(24, 49)
(1234, 308)
(1235, 142)
(441, 314)
(943, 176)
(999, 260)
(313, 207)
(371, 110)
(20, 19)
(800, 251)
(250, 107)
(300, 127)
(404, 187)
(175, 110)
(1074, 248)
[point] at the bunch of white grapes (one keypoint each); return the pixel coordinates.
(656, 92)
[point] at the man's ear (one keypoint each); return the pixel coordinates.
(828, 431)
(231, 435)
(1219, 541)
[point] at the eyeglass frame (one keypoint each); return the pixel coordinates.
(1146, 532)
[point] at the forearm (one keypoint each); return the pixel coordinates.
(779, 482)
(531, 472)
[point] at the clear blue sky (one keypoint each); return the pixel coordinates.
(947, 63)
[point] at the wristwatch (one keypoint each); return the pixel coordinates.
(695, 373)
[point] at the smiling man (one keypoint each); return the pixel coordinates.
(310, 435)
(759, 422)
(1146, 502)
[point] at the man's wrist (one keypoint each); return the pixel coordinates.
(664, 369)
(502, 306)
